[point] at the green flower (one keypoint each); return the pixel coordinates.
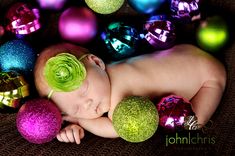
(64, 72)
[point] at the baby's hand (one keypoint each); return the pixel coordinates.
(71, 133)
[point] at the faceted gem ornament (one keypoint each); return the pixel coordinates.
(185, 10)
(175, 113)
(104, 6)
(22, 19)
(160, 32)
(135, 119)
(121, 40)
(38, 121)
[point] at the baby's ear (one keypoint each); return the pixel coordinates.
(96, 61)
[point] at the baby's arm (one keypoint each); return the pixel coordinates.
(205, 102)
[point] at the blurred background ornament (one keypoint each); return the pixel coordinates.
(185, 10)
(51, 4)
(212, 34)
(104, 6)
(146, 6)
(175, 113)
(121, 40)
(160, 32)
(39, 120)
(22, 19)
(2, 31)
(13, 89)
(18, 56)
(78, 25)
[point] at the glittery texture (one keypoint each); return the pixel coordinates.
(78, 25)
(13, 89)
(160, 32)
(64, 72)
(172, 112)
(38, 121)
(120, 39)
(23, 19)
(104, 6)
(17, 55)
(145, 6)
(185, 10)
(135, 119)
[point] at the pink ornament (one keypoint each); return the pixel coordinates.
(39, 121)
(22, 19)
(77, 25)
(51, 4)
(2, 31)
(175, 113)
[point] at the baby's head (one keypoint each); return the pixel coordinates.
(88, 99)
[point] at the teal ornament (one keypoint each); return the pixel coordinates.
(18, 56)
(120, 39)
(212, 34)
(104, 6)
(135, 119)
(146, 6)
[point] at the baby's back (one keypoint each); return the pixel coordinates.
(181, 70)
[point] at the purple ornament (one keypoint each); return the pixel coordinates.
(51, 4)
(175, 113)
(78, 25)
(22, 19)
(185, 10)
(39, 121)
(160, 32)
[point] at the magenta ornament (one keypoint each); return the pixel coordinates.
(39, 121)
(22, 19)
(51, 4)
(78, 25)
(175, 113)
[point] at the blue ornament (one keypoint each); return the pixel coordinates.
(17, 55)
(121, 40)
(146, 6)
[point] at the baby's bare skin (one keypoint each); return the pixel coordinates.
(183, 70)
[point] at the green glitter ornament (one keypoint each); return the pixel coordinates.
(104, 6)
(64, 72)
(135, 119)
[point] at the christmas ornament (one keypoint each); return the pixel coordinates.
(17, 55)
(13, 89)
(22, 19)
(135, 119)
(175, 113)
(212, 34)
(146, 6)
(104, 6)
(64, 72)
(51, 4)
(2, 31)
(160, 32)
(185, 10)
(77, 25)
(39, 121)
(121, 40)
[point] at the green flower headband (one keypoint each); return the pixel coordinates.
(64, 72)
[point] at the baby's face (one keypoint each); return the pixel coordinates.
(91, 99)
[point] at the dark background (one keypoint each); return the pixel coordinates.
(222, 129)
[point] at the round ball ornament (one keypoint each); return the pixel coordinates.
(39, 121)
(51, 4)
(13, 89)
(185, 10)
(78, 25)
(212, 34)
(160, 32)
(18, 56)
(146, 6)
(104, 6)
(135, 119)
(22, 19)
(175, 113)
(120, 39)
